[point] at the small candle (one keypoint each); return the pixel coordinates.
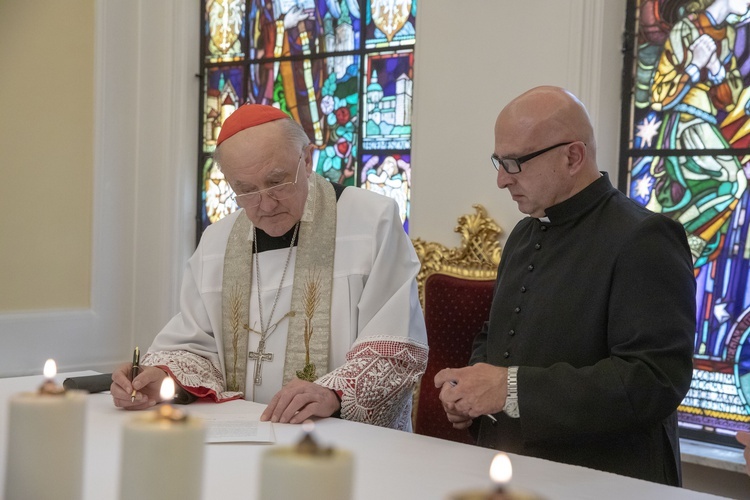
(501, 472)
(44, 457)
(162, 454)
(306, 471)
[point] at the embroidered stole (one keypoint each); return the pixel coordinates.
(310, 324)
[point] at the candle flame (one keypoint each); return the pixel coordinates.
(501, 469)
(167, 389)
(50, 369)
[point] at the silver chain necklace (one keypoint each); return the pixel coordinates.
(264, 333)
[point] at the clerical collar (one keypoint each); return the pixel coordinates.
(267, 242)
(580, 203)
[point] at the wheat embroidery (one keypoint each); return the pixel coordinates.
(235, 300)
(311, 301)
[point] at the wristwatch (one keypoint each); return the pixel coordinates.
(511, 400)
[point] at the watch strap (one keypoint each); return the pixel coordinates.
(511, 400)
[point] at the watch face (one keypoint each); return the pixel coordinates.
(511, 408)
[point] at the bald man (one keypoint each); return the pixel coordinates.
(587, 351)
(304, 299)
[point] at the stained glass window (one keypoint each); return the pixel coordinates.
(343, 69)
(685, 152)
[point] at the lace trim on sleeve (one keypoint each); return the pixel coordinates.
(377, 379)
(194, 373)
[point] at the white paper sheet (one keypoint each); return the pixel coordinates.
(236, 429)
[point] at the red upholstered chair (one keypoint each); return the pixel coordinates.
(456, 288)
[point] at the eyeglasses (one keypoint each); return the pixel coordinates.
(278, 192)
(513, 165)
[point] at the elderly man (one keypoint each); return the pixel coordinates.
(588, 348)
(304, 299)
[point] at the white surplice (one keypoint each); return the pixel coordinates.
(378, 344)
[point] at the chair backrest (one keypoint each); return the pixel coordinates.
(455, 288)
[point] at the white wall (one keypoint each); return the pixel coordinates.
(146, 112)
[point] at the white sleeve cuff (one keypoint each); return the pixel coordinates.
(719, 77)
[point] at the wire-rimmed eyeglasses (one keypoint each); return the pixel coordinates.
(278, 192)
(513, 165)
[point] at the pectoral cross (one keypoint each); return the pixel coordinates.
(260, 356)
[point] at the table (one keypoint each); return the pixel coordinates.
(389, 464)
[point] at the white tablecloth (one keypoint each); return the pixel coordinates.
(388, 464)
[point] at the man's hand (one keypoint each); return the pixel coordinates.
(147, 384)
(744, 438)
(458, 419)
(467, 393)
(299, 400)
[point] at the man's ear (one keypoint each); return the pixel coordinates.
(576, 157)
(308, 158)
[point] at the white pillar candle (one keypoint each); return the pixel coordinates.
(162, 455)
(306, 471)
(44, 457)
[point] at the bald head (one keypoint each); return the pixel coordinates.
(552, 125)
(552, 113)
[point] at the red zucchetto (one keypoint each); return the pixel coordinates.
(247, 116)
